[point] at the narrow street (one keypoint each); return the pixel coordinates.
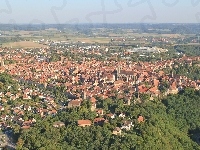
(10, 144)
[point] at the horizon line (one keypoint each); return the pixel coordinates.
(93, 23)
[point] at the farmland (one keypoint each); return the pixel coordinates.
(24, 44)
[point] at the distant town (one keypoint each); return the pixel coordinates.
(98, 73)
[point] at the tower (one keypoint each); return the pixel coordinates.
(127, 78)
(129, 101)
(73, 79)
(118, 72)
(62, 59)
(84, 95)
(2, 62)
(172, 74)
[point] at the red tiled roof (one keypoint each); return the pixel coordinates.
(93, 100)
(99, 120)
(140, 119)
(81, 122)
(25, 127)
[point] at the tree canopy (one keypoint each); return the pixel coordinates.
(166, 126)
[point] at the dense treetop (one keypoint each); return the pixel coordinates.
(169, 124)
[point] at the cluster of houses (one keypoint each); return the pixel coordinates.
(167, 39)
(22, 103)
(86, 80)
(126, 124)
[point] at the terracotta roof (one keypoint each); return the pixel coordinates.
(99, 120)
(25, 127)
(75, 102)
(140, 119)
(81, 122)
(93, 100)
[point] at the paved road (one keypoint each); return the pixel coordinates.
(10, 144)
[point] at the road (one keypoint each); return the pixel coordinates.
(10, 144)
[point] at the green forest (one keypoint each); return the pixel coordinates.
(172, 123)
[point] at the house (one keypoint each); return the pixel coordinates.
(112, 116)
(43, 112)
(118, 83)
(74, 103)
(25, 127)
(122, 115)
(8, 94)
(140, 119)
(153, 91)
(33, 120)
(173, 89)
(83, 123)
(27, 123)
(99, 112)
(1, 108)
(127, 125)
(26, 97)
(28, 108)
(58, 124)
(117, 131)
(93, 101)
(1, 94)
(127, 101)
(53, 112)
(99, 121)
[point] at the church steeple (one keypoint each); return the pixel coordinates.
(2, 62)
(118, 70)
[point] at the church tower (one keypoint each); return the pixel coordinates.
(172, 74)
(2, 62)
(118, 72)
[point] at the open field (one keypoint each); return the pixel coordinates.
(24, 44)
(132, 34)
(91, 40)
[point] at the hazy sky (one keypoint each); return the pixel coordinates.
(99, 11)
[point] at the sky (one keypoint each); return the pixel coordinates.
(99, 11)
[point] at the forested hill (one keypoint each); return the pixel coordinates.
(173, 123)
